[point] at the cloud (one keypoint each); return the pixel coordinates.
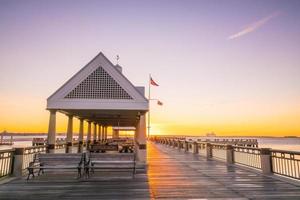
(254, 26)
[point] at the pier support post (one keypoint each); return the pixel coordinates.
(95, 133)
(18, 162)
(69, 134)
(266, 162)
(140, 141)
(208, 151)
(102, 133)
(195, 148)
(89, 134)
(99, 132)
(51, 132)
(229, 154)
(105, 133)
(80, 137)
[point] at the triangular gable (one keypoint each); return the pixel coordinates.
(99, 85)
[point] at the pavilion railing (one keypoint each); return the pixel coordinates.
(265, 160)
(6, 162)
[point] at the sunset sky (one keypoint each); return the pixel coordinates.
(229, 67)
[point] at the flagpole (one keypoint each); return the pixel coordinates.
(149, 106)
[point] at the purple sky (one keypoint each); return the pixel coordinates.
(206, 81)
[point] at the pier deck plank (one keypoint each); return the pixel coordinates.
(172, 174)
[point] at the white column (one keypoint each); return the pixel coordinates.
(141, 140)
(102, 133)
(80, 138)
(105, 133)
(51, 132)
(69, 134)
(89, 134)
(95, 132)
(99, 132)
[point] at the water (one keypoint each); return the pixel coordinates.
(24, 141)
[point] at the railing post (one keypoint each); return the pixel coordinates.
(186, 146)
(195, 147)
(229, 154)
(178, 144)
(18, 162)
(208, 150)
(266, 160)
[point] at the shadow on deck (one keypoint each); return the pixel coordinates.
(171, 175)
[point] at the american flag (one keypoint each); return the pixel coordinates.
(152, 82)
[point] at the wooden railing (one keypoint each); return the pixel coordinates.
(247, 156)
(286, 163)
(29, 154)
(15, 161)
(6, 162)
(219, 151)
(268, 161)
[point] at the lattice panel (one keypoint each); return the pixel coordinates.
(98, 85)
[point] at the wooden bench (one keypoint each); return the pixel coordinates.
(55, 161)
(103, 148)
(112, 162)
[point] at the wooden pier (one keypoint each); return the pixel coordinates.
(9, 141)
(171, 174)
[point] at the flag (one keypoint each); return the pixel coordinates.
(152, 82)
(159, 103)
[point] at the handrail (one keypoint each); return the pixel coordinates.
(285, 151)
(7, 150)
(35, 147)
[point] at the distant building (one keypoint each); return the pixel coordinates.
(212, 134)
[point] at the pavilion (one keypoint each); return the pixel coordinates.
(103, 97)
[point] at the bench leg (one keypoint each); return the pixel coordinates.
(93, 171)
(87, 172)
(79, 172)
(30, 172)
(41, 170)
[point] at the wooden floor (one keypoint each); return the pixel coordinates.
(171, 175)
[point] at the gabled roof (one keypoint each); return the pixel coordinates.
(98, 86)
